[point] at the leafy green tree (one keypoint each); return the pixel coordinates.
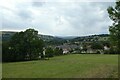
(37, 47)
(58, 51)
(114, 14)
(17, 45)
(84, 48)
(23, 46)
(6, 52)
(33, 43)
(61, 51)
(97, 45)
(49, 52)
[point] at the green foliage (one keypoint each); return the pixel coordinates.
(111, 51)
(55, 41)
(58, 51)
(23, 46)
(114, 14)
(84, 48)
(6, 52)
(97, 45)
(91, 38)
(49, 52)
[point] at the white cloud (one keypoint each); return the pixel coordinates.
(56, 18)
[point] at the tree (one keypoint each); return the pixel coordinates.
(23, 46)
(84, 48)
(6, 56)
(114, 14)
(34, 45)
(49, 52)
(97, 45)
(61, 51)
(58, 51)
(17, 44)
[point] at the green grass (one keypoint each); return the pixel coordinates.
(68, 66)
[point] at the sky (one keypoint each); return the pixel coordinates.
(57, 18)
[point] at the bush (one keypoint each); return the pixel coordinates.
(49, 52)
(111, 51)
(98, 52)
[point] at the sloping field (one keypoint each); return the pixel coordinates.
(67, 66)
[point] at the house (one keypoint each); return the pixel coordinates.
(106, 48)
(65, 51)
(68, 47)
(90, 50)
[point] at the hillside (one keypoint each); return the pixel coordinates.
(52, 40)
(91, 38)
(6, 36)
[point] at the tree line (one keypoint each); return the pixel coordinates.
(26, 46)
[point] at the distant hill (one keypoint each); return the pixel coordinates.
(67, 37)
(52, 40)
(47, 37)
(6, 35)
(100, 37)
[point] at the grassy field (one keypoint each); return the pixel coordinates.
(68, 66)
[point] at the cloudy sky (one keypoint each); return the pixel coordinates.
(57, 18)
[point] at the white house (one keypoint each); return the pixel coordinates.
(106, 48)
(65, 51)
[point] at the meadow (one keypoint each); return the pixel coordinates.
(66, 66)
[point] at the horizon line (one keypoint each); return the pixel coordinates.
(55, 35)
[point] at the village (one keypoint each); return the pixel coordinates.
(80, 48)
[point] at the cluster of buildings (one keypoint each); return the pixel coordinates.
(69, 48)
(75, 48)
